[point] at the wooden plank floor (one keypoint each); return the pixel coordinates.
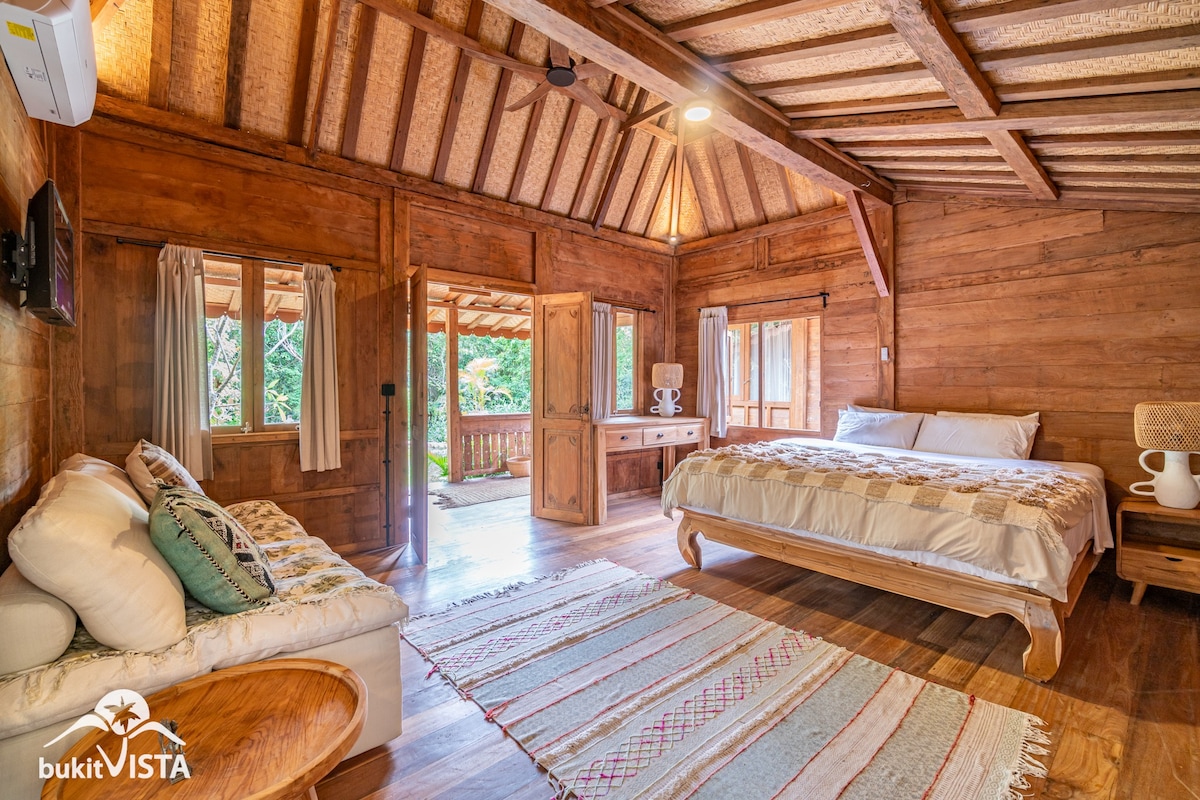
(1122, 711)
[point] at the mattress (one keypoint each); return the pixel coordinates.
(935, 537)
(320, 598)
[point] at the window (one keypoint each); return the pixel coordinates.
(625, 361)
(775, 374)
(253, 318)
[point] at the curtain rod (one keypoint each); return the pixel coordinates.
(823, 295)
(146, 243)
(626, 306)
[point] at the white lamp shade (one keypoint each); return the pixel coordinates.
(667, 376)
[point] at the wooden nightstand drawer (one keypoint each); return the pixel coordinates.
(623, 440)
(687, 433)
(659, 434)
(1160, 565)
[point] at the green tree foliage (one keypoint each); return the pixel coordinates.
(624, 354)
(511, 373)
(283, 364)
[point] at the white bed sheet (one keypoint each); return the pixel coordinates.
(934, 537)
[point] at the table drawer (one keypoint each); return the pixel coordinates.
(1160, 566)
(659, 434)
(687, 433)
(623, 440)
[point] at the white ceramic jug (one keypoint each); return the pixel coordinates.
(1175, 486)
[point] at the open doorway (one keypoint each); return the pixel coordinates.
(479, 368)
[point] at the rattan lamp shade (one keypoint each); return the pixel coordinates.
(667, 376)
(1167, 426)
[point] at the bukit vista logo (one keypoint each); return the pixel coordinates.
(125, 713)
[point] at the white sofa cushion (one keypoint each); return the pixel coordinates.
(37, 625)
(322, 599)
(149, 465)
(89, 544)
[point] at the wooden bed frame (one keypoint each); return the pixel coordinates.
(1041, 615)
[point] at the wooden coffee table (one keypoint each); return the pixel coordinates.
(266, 730)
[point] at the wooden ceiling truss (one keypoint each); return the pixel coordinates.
(917, 96)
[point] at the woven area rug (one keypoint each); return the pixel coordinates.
(621, 685)
(479, 490)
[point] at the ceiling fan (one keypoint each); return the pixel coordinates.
(564, 74)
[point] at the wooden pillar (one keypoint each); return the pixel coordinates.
(454, 445)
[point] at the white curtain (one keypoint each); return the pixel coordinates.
(712, 382)
(180, 420)
(603, 345)
(320, 430)
(777, 361)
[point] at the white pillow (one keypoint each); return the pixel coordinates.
(109, 473)
(89, 545)
(148, 465)
(1027, 423)
(981, 437)
(38, 627)
(870, 410)
(879, 430)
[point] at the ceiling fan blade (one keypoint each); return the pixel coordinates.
(538, 93)
(589, 98)
(560, 56)
(590, 70)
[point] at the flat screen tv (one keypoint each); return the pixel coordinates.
(50, 291)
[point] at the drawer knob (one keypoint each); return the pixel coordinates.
(658, 436)
(691, 433)
(624, 437)
(1176, 560)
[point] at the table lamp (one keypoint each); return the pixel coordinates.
(667, 380)
(1172, 428)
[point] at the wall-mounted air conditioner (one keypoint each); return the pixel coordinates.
(50, 53)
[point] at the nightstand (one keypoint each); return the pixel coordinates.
(1158, 545)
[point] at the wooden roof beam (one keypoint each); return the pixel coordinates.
(824, 47)
(564, 144)
(459, 88)
(1020, 158)
(677, 185)
(102, 12)
(618, 163)
(1058, 141)
(873, 105)
(1112, 111)
(1023, 12)
(531, 133)
(757, 12)
(162, 23)
(412, 78)
(497, 112)
(714, 164)
(310, 14)
(589, 166)
(339, 14)
(358, 81)
(760, 214)
(640, 186)
(235, 61)
(626, 44)
(866, 238)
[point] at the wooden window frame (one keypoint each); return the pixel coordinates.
(253, 288)
(761, 314)
(637, 364)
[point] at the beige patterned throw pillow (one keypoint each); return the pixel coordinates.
(149, 467)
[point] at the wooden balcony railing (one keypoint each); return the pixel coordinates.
(487, 441)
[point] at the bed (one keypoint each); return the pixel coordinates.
(933, 526)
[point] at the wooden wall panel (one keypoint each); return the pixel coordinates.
(780, 264)
(1077, 314)
(444, 240)
(25, 391)
(188, 192)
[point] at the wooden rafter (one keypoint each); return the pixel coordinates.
(235, 61)
(689, 184)
(1164, 81)
(589, 166)
(660, 189)
(358, 81)
(458, 89)
(1160, 107)
(624, 42)
(760, 214)
(339, 13)
(677, 183)
(639, 187)
(957, 143)
(874, 105)
(1020, 158)
(1025, 12)
(102, 12)
(531, 133)
(412, 79)
(866, 237)
(310, 17)
(162, 22)
(789, 193)
(823, 47)
(1122, 44)
(756, 12)
(714, 163)
(564, 144)
(497, 112)
(1055, 141)
(618, 163)
(842, 80)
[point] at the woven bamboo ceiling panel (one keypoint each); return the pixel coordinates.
(1009, 97)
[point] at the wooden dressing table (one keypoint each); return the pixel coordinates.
(618, 434)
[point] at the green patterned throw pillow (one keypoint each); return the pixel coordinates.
(216, 559)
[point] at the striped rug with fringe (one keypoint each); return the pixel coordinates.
(621, 685)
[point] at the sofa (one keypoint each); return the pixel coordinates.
(85, 550)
